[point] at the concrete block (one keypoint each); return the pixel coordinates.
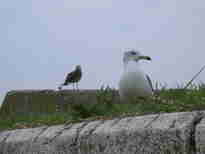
(151, 134)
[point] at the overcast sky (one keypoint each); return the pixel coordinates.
(43, 40)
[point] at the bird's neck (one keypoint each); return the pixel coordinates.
(131, 66)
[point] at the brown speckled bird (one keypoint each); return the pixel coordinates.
(73, 77)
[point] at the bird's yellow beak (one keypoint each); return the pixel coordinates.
(144, 57)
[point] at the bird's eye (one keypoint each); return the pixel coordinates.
(133, 53)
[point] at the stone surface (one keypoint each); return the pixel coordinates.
(200, 137)
(151, 134)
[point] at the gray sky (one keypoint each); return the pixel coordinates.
(43, 40)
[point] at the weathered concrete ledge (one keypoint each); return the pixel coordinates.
(200, 137)
(175, 133)
(45, 101)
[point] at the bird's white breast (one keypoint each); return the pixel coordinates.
(134, 83)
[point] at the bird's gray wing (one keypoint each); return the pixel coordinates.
(150, 82)
(69, 77)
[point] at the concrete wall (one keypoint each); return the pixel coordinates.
(48, 101)
(175, 133)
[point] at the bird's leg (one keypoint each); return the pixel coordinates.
(73, 86)
(77, 86)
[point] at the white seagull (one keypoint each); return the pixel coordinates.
(134, 82)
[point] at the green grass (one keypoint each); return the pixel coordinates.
(166, 100)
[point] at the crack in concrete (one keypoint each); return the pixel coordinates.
(192, 142)
(178, 136)
(78, 133)
(78, 130)
(98, 125)
(154, 119)
(41, 132)
(115, 122)
(4, 141)
(173, 124)
(90, 132)
(87, 134)
(59, 133)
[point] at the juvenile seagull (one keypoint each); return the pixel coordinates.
(134, 82)
(73, 77)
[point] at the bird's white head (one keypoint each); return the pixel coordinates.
(134, 56)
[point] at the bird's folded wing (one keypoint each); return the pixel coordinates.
(69, 77)
(150, 82)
